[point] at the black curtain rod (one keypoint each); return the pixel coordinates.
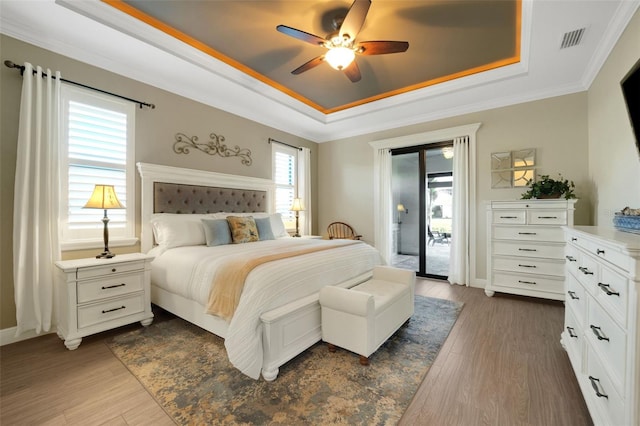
(10, 64)
(283, 143)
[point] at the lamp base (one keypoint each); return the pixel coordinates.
(105, 255)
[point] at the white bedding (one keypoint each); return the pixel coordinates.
(188, 272)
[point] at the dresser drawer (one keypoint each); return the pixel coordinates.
(529, 265)
(529, 282)
(547, 217)
(615, 258)
(608, 340)
(572, 255)
(105, 270)
(587, 272)
(576, 298)
(574, 338)
(516, 217)
(613, 294)
(89, 315)
(601, 391)
(527, 249)
(93, 290)
(528, 233)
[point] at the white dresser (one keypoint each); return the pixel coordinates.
(601, 332)
(525, 247)
(94, 295)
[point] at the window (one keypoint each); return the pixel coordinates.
(285, 177)
(97, 147)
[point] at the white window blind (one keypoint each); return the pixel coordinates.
(285, 178)
(98, 149)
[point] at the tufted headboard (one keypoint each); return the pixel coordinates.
(193, 199)
(167, 189)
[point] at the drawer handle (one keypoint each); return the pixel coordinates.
(114, 309)
(574, 239)
(527, 233)
(547, 217)
(571, 258)
(585, 270)
(527, 266)
(598, 251)
(572, 294)
(113, 269)
(113, 286)
(508, 217)
(570, 330)
(595, 387)
(527, 282)
(598, 332)
(527, 249)
(607, 289)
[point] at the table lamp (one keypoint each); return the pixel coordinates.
(104, 197)
(297, 207)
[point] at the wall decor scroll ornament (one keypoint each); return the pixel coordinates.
(215, 146)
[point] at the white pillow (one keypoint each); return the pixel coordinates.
(277, 226)
(177, 230)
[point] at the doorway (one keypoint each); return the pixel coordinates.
(422, 188)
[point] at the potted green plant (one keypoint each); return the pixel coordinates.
(546, 187)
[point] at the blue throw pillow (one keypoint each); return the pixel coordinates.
(216, 232)
(264, 228)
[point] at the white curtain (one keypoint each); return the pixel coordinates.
(304, 189)
(35, 224)
(382, 199)
(459, 267)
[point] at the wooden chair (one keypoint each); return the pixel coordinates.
(342, 231)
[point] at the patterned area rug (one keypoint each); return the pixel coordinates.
(186, 370)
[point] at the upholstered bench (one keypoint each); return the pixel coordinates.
(362, 318)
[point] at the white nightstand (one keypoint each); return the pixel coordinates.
(94, 295)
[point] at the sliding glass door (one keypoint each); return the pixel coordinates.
(422, 189)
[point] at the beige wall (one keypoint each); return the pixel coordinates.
(155, 131)
(556, 127)
(614, 161)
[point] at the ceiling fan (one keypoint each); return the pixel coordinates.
(342, 43)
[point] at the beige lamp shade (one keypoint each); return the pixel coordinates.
(297, 205)
(104, 197)
(400, 207)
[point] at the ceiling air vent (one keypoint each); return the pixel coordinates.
(572, 38)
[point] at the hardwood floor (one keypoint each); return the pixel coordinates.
(501, 365)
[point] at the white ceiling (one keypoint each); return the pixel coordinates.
(93, 32)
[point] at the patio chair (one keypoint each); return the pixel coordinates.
(436, 237)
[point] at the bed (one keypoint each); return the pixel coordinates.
(277, 315)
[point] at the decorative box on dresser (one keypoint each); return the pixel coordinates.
(602, 333)
(525, 247)
(94, 295)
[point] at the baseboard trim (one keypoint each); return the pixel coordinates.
(8, 335)
(479, 283)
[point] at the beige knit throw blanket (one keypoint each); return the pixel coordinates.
(229, 279)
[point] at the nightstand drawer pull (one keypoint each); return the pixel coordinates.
(598, 251)
(113, 286)
(547, 217)
(595, 387)
(527, 249)
(574, 239)
(113, 269)
(527, 233)
(607, 289)
(508, 217)
(527, 266)
(585, 270)
(571, 258)
(598, 332)
(114, 309)
(527, 282)
(572, 294)
(571, 330)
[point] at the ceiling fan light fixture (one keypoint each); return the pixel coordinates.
(340, 57)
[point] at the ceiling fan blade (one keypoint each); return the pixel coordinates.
(307, 66)
(301, 35)
(381, 47)
(355, 19)
(353, 72)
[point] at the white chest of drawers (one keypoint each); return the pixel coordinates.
(94, 295)
(602, 333)
(525, 247)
